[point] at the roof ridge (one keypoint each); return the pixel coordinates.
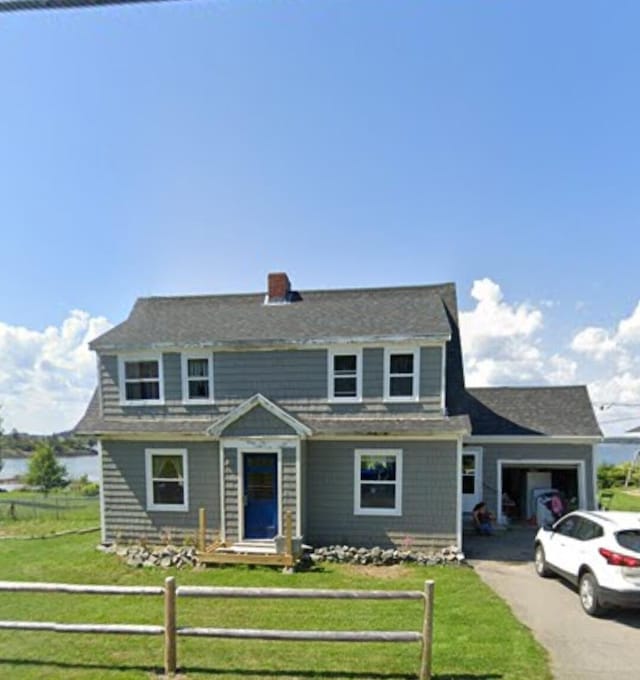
(311, 291)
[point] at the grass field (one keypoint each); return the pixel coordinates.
(621, 500)
(27, 513)
(476, 637)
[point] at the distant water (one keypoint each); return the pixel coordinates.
(76, 467)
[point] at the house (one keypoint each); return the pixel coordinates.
(347, 408)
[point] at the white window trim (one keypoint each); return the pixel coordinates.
(122, 381)
(185, 377)
(357, 482)
(344, 351)
(166, 507)
(388, 351)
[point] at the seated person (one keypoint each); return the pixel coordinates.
(482, 519)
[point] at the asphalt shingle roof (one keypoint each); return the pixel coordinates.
(93, 423)
(550, 411)
(320, 316)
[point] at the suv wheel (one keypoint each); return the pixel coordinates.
(589, 594)
(541, 563)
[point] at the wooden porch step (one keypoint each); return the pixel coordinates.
(245, 548)
(275, 560)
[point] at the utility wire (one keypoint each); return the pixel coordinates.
(25, 5)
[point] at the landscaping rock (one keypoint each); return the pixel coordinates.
(378, 556)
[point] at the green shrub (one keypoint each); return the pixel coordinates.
(610, 476)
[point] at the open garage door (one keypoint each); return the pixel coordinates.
(521, 481)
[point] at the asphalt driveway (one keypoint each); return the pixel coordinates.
(580, 647)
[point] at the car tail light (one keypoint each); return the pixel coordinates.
(618, 560)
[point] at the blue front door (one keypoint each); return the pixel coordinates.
(260, 495)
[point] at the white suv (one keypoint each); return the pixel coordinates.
(597, 551)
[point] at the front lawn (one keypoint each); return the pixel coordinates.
(476, 636)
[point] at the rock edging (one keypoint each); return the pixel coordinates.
(378, 557)
(164, 556)
(167, 556)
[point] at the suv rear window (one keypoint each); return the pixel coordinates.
(629, 539)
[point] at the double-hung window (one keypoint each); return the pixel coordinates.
(141, 380)
(401, 371)
(345, 375)
(378, 482)
(197, 378)
(167, 479)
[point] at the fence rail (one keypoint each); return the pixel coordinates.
(171, 631)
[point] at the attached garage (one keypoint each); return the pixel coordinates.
(526, 439)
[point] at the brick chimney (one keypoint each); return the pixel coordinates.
(278, 288)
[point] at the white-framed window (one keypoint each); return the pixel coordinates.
(197, 378)
(378, 482)
(167, 479)
(401, 374)
(141, 380)
(345, 375)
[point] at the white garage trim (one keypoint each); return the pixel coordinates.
(579, 465)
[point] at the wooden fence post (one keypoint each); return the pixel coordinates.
(202, 530)
(427, 632)
(170, 660)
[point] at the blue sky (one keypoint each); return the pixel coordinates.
(192, 147)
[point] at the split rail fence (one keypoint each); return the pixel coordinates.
(171, 631)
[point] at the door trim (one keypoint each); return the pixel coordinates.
(240, 458)
(476, 451)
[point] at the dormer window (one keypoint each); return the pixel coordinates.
(345, 375)
(197, 378)
(141, 380)
(401, 367)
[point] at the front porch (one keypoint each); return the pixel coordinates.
(281, 551)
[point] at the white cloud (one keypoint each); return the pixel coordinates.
(47, 377)
(502, 342)
(613, 355)
(503, 345)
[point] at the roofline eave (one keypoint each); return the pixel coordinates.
(272, 343)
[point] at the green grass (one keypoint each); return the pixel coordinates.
(35, 514)
(621, 500)
(476, 636)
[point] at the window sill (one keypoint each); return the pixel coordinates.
(377, 512)
(143, 402)
(168, 508)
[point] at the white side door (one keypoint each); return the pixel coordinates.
(471, 478)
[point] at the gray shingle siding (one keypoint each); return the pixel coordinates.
(372, 372)
(172, 371)
(278, 375)
(231, 491)
(297, 378)
(258, 422)
(126, 514)
(428, 496)
(430, 372)
(289, 486)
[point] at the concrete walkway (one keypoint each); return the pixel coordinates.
(580, 647)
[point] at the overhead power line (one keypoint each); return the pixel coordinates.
(27, 5)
